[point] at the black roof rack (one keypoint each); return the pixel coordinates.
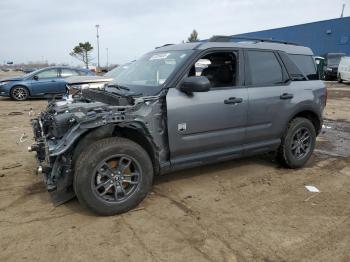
(224, 38)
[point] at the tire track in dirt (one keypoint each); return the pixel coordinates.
(139, 239)
(41, 219)
(250, 251)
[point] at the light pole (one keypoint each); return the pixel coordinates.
(107, 57)
(98, 48)
(342, 11)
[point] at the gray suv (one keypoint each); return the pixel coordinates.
(177, 107)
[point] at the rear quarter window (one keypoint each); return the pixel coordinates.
(305, 64)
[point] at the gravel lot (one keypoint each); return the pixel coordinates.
(242, 210)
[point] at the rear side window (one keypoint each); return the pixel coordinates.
(306, 64)
(84, 73)
(264, 68)
(68, 72)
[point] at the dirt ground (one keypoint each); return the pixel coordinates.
(242, 210)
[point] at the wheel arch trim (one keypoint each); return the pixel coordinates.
(20, 85)
(311, 114)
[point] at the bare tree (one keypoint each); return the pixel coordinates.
(82, 52)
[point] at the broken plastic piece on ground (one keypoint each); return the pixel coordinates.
(31, 113)
(327, 127)
(23, 138)
(312, 189)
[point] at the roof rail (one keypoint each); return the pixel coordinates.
(220, 38)
(224, 38)
(163, 46)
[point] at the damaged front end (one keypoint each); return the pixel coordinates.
(61, 132)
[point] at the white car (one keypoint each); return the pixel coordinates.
(344, 69)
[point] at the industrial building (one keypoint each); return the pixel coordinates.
(328, 36)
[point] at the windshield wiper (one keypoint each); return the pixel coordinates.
(119, 87)
(125, 94)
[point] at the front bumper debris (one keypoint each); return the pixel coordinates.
(55, 171)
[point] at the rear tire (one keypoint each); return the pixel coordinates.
(112, 176)
(298, 143)
(19, 93)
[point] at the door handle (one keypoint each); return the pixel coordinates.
(286, 96)
(233, 100)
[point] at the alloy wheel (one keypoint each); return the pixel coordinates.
(20, 93)
(116, 178)
(301, 143)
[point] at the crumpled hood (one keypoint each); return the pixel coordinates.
(87, 79)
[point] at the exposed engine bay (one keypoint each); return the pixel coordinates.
(69, 125)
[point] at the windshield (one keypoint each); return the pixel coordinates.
(335, 60)
(115, 72)
(31, 73)
(151, 71)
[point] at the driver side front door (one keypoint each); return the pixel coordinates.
(47, 82)
(206, 126)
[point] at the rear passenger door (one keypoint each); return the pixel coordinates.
(266, 79)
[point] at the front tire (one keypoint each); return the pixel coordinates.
(112, 176)
(298, 143)
(19, 93)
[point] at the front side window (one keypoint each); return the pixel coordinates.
(50, 73)
(153, 69)
(333, 60)
(264, 68)
(306, 65)
(219, 67)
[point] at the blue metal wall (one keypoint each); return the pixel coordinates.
(328, 36)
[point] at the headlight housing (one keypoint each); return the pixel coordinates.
(4, 83)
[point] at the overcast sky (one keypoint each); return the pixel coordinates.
(33, 30)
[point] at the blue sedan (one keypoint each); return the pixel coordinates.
(45, 82)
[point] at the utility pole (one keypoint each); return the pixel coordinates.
(107, 57)
(342, 11)
(98, 48)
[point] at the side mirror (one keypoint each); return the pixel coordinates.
(195, 84)
(35, 77)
